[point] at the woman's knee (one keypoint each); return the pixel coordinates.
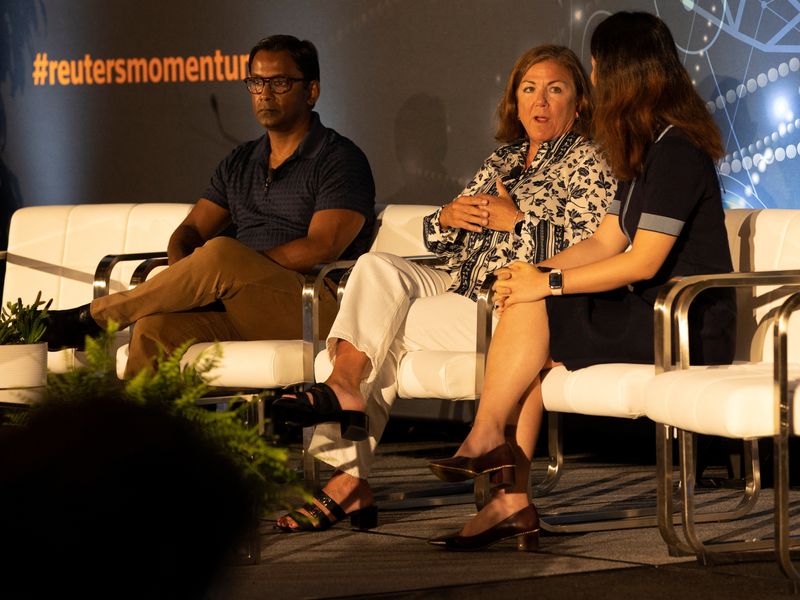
(378, 261)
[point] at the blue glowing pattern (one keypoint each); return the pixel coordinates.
(742, 56)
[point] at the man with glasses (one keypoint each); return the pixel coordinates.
(298, 196)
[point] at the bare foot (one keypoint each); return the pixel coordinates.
(351, 493)
(500, 507)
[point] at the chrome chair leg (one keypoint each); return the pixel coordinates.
(555, 465)
(782, 540)
(664, 493)
(311, 474)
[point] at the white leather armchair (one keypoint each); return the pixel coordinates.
(759, 240)
(57, 249)
(751, 399)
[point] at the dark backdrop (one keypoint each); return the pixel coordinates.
(414, 82)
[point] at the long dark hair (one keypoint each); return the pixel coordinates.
(642, 87)
(509, 128)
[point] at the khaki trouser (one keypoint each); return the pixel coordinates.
(262, 301)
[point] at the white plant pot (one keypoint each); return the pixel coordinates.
(23, 365)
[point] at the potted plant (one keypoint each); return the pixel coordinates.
(23, 357)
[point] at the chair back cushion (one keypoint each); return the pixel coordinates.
(763, 240)
(56, 249)
(400, 229)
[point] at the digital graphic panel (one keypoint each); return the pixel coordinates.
(121, 102)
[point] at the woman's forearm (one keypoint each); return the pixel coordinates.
(642, 262)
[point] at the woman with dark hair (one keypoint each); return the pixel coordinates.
(545, 189)
(593, 302)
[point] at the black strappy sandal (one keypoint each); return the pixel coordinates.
(317, 520)
(298, 410)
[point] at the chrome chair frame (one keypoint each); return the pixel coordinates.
(672, 327)
(312, 287)
(435, 495)
(671, 350)
(250, 552)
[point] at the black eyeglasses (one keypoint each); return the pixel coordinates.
(277, 85)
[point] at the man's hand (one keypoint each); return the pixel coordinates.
(502, 210)
(465, 212)
(204, 221)
(473, 213)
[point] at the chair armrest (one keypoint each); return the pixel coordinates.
(429, 260)
(312, 286)
(671, 310)
(141, 272)
(102, 274)
(314, 280)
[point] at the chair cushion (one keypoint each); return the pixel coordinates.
(734, 401)
(67, 359)
(433, 374)
(609, 390)
(256, 364)
(437, 374)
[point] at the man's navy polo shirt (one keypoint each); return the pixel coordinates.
(268, 209)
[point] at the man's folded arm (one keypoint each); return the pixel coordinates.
(330, 232)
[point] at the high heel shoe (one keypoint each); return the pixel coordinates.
(523, 526)
(315, 518)
(500, 463)
(298, 410)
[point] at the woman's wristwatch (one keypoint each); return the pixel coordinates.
(555, 280)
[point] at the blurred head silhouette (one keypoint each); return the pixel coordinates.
(108, 498)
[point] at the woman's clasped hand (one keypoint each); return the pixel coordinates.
(473, 213)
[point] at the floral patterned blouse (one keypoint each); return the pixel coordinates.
(564, 194)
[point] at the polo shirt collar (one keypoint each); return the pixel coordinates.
(310, 145)
(314, 140)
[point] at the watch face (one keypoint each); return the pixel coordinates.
(555, 280)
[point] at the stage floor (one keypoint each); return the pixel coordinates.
(394, 560)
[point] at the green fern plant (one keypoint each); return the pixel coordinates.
(177, 390)
(24, 323)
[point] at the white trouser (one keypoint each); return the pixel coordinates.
(391, 306)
